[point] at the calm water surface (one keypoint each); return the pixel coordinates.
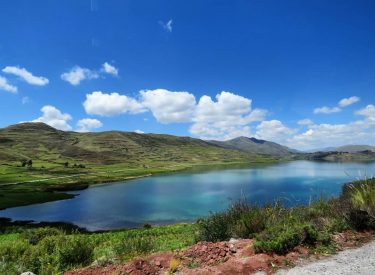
(187, 196)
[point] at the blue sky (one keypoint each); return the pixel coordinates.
(208, 69)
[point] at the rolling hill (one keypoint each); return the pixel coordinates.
(42, 142)
(256, 146)
(350, 148)
(355, 148)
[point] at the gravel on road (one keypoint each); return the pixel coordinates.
(358, 261)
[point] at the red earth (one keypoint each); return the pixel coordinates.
(232, 257)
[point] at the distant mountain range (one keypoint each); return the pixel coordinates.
(40, 141)
(257, 146)
(346, 148)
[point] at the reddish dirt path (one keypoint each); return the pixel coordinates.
(233, 257)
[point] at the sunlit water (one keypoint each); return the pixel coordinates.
(183, 197)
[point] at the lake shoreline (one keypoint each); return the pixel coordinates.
(78, 185)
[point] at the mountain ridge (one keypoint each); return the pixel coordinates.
(32, 140)
(258, 146)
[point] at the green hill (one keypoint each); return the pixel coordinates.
(256, 146)
(38, 141)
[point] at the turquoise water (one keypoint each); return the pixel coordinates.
(183, 197)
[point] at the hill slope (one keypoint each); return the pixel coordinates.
(42, 142)
(355, 148)
(256, 146)
(345, 148)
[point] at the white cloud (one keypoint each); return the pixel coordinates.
(168, 106)
(226, 118)
(99, 103)
(139, 131)
(55, 118)
(77, 74)
(109, 69)
(87, 124)
(273, 130)
(324, 135)
(4, 85)
(348, 101)
(26, 75)
(368, 112)
(326, 110)
(304, 122)
(167, 26)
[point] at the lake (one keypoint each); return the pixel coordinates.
(183, 197)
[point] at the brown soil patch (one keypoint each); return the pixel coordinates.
(232, 257)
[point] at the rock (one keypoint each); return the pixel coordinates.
(233, 240)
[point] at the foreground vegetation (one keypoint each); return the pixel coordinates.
(278, 230)
(49, 250)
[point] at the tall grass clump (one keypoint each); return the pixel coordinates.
(240, 220)
(362, 197)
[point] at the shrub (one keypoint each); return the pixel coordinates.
(36, 235)
(240, 220)
(133, 246)
(213, 228)
(12, 250)
(74, 251)
(248, 223)
(278, 240)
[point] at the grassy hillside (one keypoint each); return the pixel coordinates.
(68, 160)
(340, 156)
(257, 146)
(38, 141)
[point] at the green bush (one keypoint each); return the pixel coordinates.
(278, 240)
(130, 247)
(74, 251)
(248, 223)
(12, 250)
(37, 234)
(241, 220)
(214, 228)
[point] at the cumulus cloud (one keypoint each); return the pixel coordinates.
(273, 130)
(368, 112)
(323, 135)
(99, 103)
(326, 110)
(166, 26)
(55, 118)
(88, 124)
(109, 69)
(26, 75)
(139, 131)
(168, 106)
(304, 122)
(77, 74)
(4, 85)
(225, 118)
(348, 101)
